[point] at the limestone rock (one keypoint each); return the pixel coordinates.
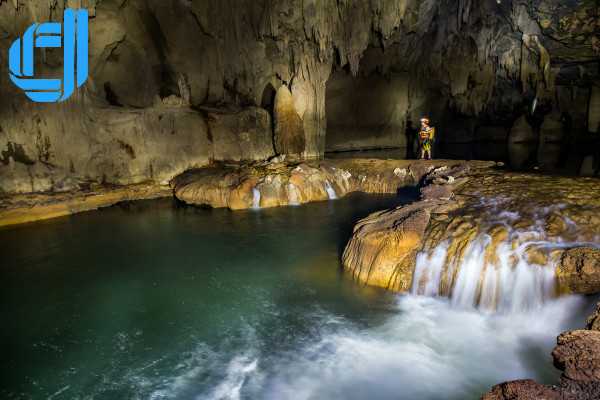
(522, 390)
(593, 322)
(579, 270)
(199, 54)
(522, 132)
(289, 129)
(21, 209)
(243, 135)
(383, 248)
(578, 356)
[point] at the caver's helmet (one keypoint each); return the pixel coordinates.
(425, 119)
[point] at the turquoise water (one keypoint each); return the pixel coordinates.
(154, 301)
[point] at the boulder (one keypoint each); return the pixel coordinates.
(578, 356)
(526, 389)
(593, 321)
(578, 270)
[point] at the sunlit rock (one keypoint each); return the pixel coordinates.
(579, 270)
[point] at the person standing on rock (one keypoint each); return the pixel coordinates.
(426, 139)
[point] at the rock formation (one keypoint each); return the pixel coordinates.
(289, 131)
(163, 75)
(539, 220)
(579, 270)
(275, 183)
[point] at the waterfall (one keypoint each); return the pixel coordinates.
(293, 195)
(508, 283)
(255, 198)
(330, 191)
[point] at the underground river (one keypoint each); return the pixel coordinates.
(150, 300)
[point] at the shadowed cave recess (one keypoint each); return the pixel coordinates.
(432, 279)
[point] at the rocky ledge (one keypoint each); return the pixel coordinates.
(24, 208)
(548, 222)
(279, 183)
(236, 185)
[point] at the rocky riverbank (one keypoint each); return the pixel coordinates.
(24, 208)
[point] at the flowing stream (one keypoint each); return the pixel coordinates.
(151, 301)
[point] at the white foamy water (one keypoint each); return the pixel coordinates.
(511, 284)
(426, 348)
(255, 198)
(330, 191)
(499, 278)
(238, 370)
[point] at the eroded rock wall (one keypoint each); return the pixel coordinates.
(485, 60)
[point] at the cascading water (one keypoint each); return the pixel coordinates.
(511, 284)
(330, 191)
(255, 198)
(494, 275)
(293, 195)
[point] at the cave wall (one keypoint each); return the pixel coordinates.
(178, 84)
(366, 112)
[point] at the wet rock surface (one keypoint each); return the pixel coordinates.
(579, 270)
(552, 221)
(20, 209)
(271, 184)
